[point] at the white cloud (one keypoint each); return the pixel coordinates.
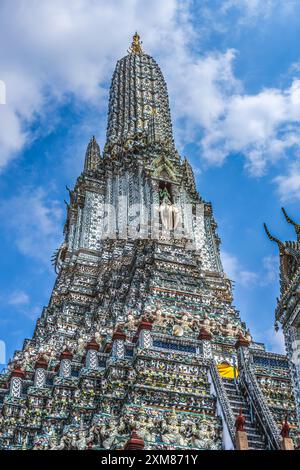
(246, 278)
(270, 269)
(2, 92)
(288, 185)
(33, 313)
(232, 17)
(32, 220)
(249, 8)
(262, 127)
(251, 11)
(2, 352)
(276, 341)
(235, 272)
(210, 81)
(18, 298)
(21, 303)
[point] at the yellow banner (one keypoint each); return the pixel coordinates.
(227, 371)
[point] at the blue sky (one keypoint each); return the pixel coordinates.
(233, 74)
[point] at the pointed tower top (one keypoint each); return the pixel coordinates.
(188, 171)
(135, 117)
(136, 45)
(274, 239)
(290, 221)
(92, 156)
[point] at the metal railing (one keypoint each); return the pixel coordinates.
(258, 404)
(223, 400)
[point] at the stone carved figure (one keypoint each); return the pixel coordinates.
(109, 433)
(171, 431)
(64, 444)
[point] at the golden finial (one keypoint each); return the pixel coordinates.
(136, 45)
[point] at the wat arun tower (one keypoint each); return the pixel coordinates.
(140, 345)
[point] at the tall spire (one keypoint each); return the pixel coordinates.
(92, 156)
(138, 102)
(188, 172)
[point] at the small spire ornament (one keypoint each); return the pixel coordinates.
(136, 45)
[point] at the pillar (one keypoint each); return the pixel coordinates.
(91, 360)
(16, 382)
(65, 368)
(41, 366)
(205, 337)
(144, 334)
(118, 346)
(242, 348)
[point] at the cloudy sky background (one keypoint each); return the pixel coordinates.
(233, 74)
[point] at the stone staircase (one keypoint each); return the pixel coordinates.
(237, 402)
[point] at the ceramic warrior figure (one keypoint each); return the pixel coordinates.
(170, 431)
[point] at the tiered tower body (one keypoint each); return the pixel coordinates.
(140, 331)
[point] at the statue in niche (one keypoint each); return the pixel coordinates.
(168, 211)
